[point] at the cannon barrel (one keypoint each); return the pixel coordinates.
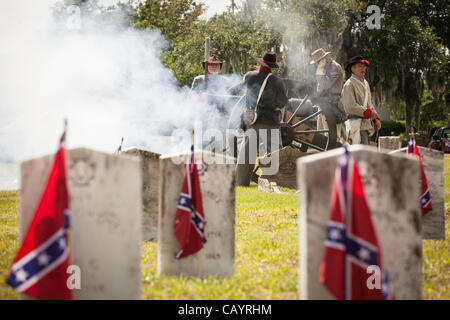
(303, 86)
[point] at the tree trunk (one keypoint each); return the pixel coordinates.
(417, 115)
(347, 41)
(245, 62)
(226, 66)
(408, 118)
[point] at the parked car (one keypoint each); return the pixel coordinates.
(441, 140)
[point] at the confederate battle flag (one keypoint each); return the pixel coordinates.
(40, 268)
(189, 225)
(351, 244)
(425, 197)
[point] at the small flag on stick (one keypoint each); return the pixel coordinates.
(119, 149)
(189, 224)
(425, 197)
(40, 267)
(351, 244)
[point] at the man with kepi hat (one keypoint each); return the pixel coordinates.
(357, 101)
(265, 93)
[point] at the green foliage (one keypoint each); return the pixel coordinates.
(234, 40)
(171, 17)
(407, 55)
(235, 43)
(422, 139)
(397, 128)
(434, 113)
(391, 128)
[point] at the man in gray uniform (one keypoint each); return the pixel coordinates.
(214, 113)
(330, 77)
(273, 97)
(214, 80)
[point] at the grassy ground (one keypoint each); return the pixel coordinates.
(266, 265)
(266, 255)
(9, 233)
(436, 253)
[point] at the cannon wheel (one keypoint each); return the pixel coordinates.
(298, 134)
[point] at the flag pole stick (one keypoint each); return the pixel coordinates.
(68, 235)
(121, 144)
(198, 253)
(193, 138)
(207, 54)
(119, 150)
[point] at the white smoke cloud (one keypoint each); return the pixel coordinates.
(216, 7)
(108, 84)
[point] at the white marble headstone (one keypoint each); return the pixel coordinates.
(390, 183)
(433, 223)
(390, 142)
(217, 183)
(150, 176)
(105, 215)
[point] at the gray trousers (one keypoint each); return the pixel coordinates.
(247, 154)
(364, 137)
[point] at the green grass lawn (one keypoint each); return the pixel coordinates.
(9, 233)
(266, 264)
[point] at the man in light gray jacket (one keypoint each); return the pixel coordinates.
(357, 101)
(329, 76)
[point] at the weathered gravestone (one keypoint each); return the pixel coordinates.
(217, 183)
(150, 176)
(286, 176)
(105, 217)
(390, 182)
(389, 143)
(433, 223)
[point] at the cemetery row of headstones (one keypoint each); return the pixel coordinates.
(118, 201)
(114, 205)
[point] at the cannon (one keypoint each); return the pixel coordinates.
(298, 129)
(298, 124)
